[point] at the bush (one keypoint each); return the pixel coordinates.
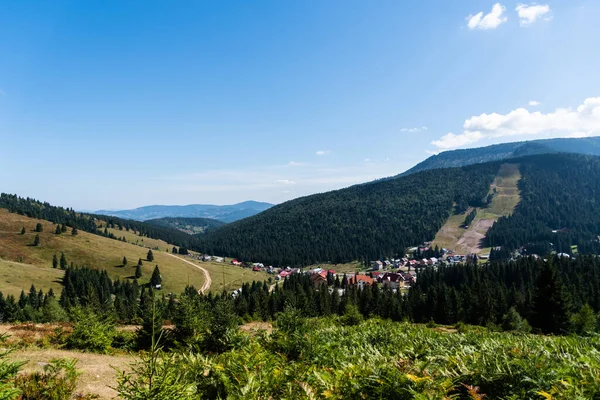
(124, 340)
(56, 381)
(352, 316)
(584, 321)
(90, 332)
(513, 321)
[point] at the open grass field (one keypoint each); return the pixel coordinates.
(85, 249)
(133, 238)
(346, 268)
(506, 197)
(15, 276)
(232, 275)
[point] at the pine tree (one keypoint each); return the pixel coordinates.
(57, 231)
(63, 228)
(150, 256)
(140, 263)
(54, 261)
(174, 250)
(552, 302)
(63, 261)
(39, 227)
(74, 231)
(23, 231)
(138, 271)
(124, 261)
(156, 278)
(36, 240)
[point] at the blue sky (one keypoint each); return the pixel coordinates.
(118, 104)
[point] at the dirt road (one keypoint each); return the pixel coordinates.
(207, 280)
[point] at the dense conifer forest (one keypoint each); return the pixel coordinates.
(560, 207)
(362, 222)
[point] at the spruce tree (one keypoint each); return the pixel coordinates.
(54, 261)
(63, 261)
(140, 263)
(174, 250)
(150, 256)
(138, 271)
(57, 231)
(74, 231)
(36, 240)
(39, 227)
(124, 261)
(156, 278)
(23, 231)
(63, 228)
(552, 302)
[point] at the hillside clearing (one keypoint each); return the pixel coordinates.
(86, 249)
(506, 197)
(15, 277)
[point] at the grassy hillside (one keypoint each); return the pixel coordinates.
(15, 277)
(85, 249)
(458, 158)
(191, 226)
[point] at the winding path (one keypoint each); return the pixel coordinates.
(207, 280)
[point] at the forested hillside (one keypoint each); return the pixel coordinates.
(459, 158)
(191, 226)
(560, 207)
(360, 222)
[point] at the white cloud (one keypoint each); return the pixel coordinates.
(563, 122)
(294, 164)
(528, 14)
(284, 182)
(492, 20)
(412, 130)
(323, 152)
(534, 103)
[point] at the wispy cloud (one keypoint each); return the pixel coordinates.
(582, 121)
(417, 129)
(322, 152)
(528, 14)
(534, 103)
(285, 182)
(295, 164)
(492, 20)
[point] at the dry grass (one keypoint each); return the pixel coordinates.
(16, 276)
(453, 236)
(85, 249)
(232, 275)
(98, 375)
(348, 268)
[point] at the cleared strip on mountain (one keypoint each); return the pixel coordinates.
(506, 196)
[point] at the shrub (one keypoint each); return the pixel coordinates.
(124, 340)
(56, 381)
(584, 321)
(91, 332)
(352, 316)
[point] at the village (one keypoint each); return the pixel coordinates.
(393, 273)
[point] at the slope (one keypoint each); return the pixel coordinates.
(191, 226)
(361, 222)
(86, 249)
(226, 213)
(458, 158)
(454, 235)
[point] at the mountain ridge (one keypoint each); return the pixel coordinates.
(503, 151)
(223, 213)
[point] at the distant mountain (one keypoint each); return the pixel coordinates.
(227, 213)
(191, 226)
(460, 158)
